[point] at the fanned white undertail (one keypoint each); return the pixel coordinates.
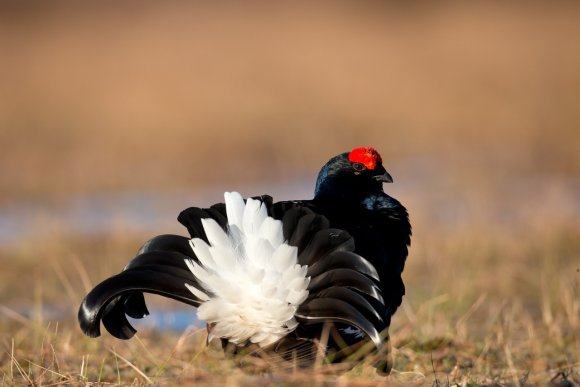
(252, 284)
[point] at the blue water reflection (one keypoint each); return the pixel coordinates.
(128, 212)
(176, 320)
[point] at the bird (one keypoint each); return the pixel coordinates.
(286, 280)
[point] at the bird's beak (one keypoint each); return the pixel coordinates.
(384, 178)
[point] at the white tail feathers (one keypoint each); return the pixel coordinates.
(252, 284)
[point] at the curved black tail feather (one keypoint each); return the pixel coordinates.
(158, 269)
(107, 300)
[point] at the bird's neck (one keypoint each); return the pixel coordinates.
(344, 194)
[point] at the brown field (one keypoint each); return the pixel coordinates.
(475, 109)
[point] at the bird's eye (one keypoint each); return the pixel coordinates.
(358, 167)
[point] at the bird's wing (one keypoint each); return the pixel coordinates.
(390, 221)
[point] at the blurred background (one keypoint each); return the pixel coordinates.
(114, 117)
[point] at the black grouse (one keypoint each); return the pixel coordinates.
(288, 279)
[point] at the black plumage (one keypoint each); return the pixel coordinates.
(352, 237)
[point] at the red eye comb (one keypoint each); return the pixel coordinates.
(367, 156)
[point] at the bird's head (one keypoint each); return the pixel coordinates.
(352, 175)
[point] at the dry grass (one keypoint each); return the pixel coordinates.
(474, 108)
(485, 322)
(487, 303)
